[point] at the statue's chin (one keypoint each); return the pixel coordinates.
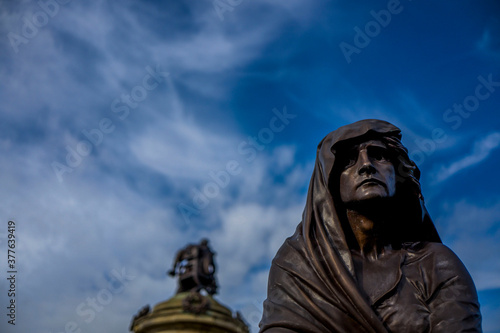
(372, 201)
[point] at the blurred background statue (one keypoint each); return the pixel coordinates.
(195, 267)
(193, 308)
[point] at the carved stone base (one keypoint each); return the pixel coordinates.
(190, 312)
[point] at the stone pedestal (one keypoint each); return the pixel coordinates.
(190, 312)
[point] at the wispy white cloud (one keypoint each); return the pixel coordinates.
(75, 233)
(482, 149)
(472, 231)
(119, 207)
(180, 149)
(81, 230)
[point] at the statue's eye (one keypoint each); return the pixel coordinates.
(351, 158)
(378, 153)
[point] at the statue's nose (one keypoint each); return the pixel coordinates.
(365, 165)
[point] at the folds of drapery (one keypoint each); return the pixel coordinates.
(312, 285)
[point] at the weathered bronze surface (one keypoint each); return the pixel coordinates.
(366, 256)
(195, 267)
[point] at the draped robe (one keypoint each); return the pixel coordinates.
(313, 283)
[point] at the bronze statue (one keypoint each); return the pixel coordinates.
(195, 267)
(366, 256)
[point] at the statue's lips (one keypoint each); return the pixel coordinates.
(372, 181)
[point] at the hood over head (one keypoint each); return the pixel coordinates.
(314, 267)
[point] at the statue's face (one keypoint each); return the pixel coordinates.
(368, 173)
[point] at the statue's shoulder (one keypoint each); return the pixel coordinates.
(429, 250)
(439, 251)
(437, 258)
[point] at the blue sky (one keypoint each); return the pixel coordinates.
(129, 129)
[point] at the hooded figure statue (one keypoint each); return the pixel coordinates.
(366, 256)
